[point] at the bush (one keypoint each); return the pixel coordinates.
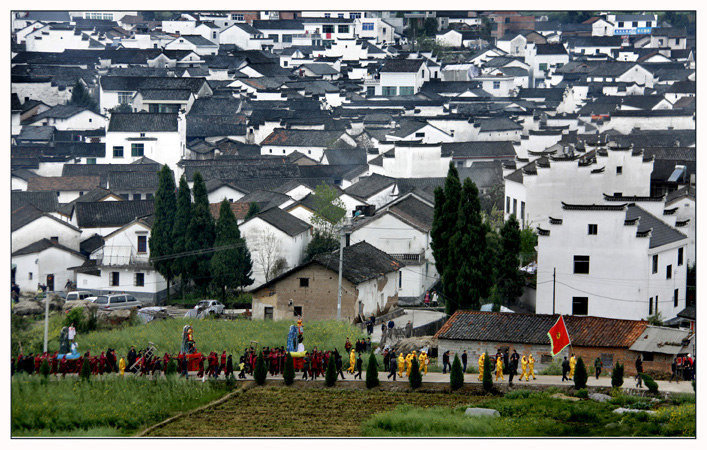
(582, 393)
(650, 383)
(172, 367)
(288, 372)
(580, 374)
(86, 370)
(371, 372)
(487, 380)
(260, 372)
(44, 369)
(554, 368)
(617, 375)
(456, 375)
(521, 393)
(415, 376)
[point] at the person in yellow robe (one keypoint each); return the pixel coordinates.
(524, 368)
(401, 364)
(482, 358)
(352, 361)
(531, 367)
(408, 362)
(121, 366)
(573, 362)
(499, 368)
(423, 362)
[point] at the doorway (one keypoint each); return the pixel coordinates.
(50, 283)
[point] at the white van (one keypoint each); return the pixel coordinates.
(117, 301)
(77, 295)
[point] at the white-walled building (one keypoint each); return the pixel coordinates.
(44, 262)
(614, 261)
(400, 77)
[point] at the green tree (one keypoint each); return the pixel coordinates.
(528, 241)
(171, 367)
(456, 375)
(430, 26)
(85, 370)
(330, 375)
(656, 319)
(253, 210)
(81, 97)
(161, 240)
(650, 383)
(200, 235)
(121, 108)
(445, 217)
(371, 372)
(617, 375)
(260, 372)
(182, 218)
(288, 372)
(329, 209)
(510, 281)
(227, 262)
(415, 375)
(487, 379)
(320, 243)
(580, 374)
(44, 369)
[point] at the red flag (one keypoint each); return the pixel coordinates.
(559, 338)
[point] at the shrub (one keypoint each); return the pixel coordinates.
(44, 369)
(456, 375)
(582, 393)
(371, 372)
(415, 376)
(487, 380)
(288, 372)
(580, 374)
(554, 368)
(172, 367)
(86, 370)
(260, 372)
(650, 383)
(617, 375)
(521, 393)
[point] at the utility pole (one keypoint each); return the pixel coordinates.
(553, 289)
(342, 243)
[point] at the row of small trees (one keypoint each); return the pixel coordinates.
(188, 243)
(475, 262)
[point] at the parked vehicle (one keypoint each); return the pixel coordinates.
(206, 308)
(78, 295)
(117, 301)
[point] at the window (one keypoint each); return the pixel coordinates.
(370, 91)
(142, 244)
(607, 359)
(274, 37)
(515, 207)
(675, 298)
(237, 17)
(390, 90)
(341, 15)
(508, 205)
(125, 98)
(137, 149)
(298, 311)
(213, 35)
(680, 255)
(581, 264)
(522, 212)
(343, 28)
(367, 26)
(90, 160)
(139, 279)
(29, 276)
(420, 135)
(542, 67)
(407, 90)
(593, 228)
(114, 278)
(669, 272)
(497, 85)
(354, 15)
(580, 306)
(621, 24)
(284, 63)
(650, 306)
(634, 24)
(327, 28)
(327, 15)
(619, 170)
(400, 279)
(655, 263)
(117, 152)
(287, 38)
(304, 282)
(54, 239)
(618, 194)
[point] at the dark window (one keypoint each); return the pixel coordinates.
(634, 24)
(137, 196)
(304, 282)
(681, 251)
(619, 170)
(343, 28)
(297, 310)
(655, 263)
(542, 67)
(268, 312)
(580, 306)
(274, 37)
(400, 279)
(650, 306)
(522, 212)
(286, 38)
(327, 28)
(593, 228)
(421, 134)
(669, 272)
(618, 194)
(607, 359)
(54, 239)
(515, 207)
(546, 359)
(508, 205)
(647, 356)
(581, 264)
(139, 279)
(117, 152)
(114, 278)
(137, 149)
(90, 160)
(675, 298)
(142, 244)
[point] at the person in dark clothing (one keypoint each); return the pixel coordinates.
(674, 371)
(565, 369)
(339, 364)
(229, 366)
(464, 359)
(132, 356)
(445, 362)
(393, 364)
(305, 367)
(386, 360)
(512, 369)
(359, 367)
(597, 366)
(505, 361)
(639, 371)
(13, 367)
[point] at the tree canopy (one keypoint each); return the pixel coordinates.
(161, 241)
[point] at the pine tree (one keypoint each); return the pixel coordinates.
(510, 281)
(253, 210)
(617, 375)
(81, 97)
(330, 374)
(289, 371)
(226, 264)
(371, 372)
(179, 231)
(85, 370)
(260, 372)
(445, 218)
(161, 241)
(580, 374)
(487, 379)
(415, 375)
(246, 265)
(200, 235)
(456, 375)
(44, 369)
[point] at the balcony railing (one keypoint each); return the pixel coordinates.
(413, 258)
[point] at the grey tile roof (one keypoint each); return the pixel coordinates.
(299, 138)
(480, 149)
(498, 124)
(165, 94)
(213, 106)
(132, 180)
(660, 340)
(284, 221)
(111, 214)
(216, 125)
(683, 192)
(484, 174)
(23, 216)
(44, 201)
(197, 40)
(278, 25)
(415, 211)
(77, 149)
(42, 245)
(42, 133)
(242, 169)
(59, 112)
(320, 69)
(93, 243)
(126, 83)
(72, 170)
(361, 262)
(551, 49)
(63, 183)
(661, 233)
(93, 195)
(369, 186)
(401, 65)
(143, 122)
(267, 199)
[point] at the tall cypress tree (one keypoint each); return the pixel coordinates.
(200, 235)
(182, 218)
(161, 241)
(226, 264)
(510, 281)
(444, 222)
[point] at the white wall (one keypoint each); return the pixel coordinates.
(168, 148)
(50, 95)
(417, 162)
(50, 261)
(45, 228)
